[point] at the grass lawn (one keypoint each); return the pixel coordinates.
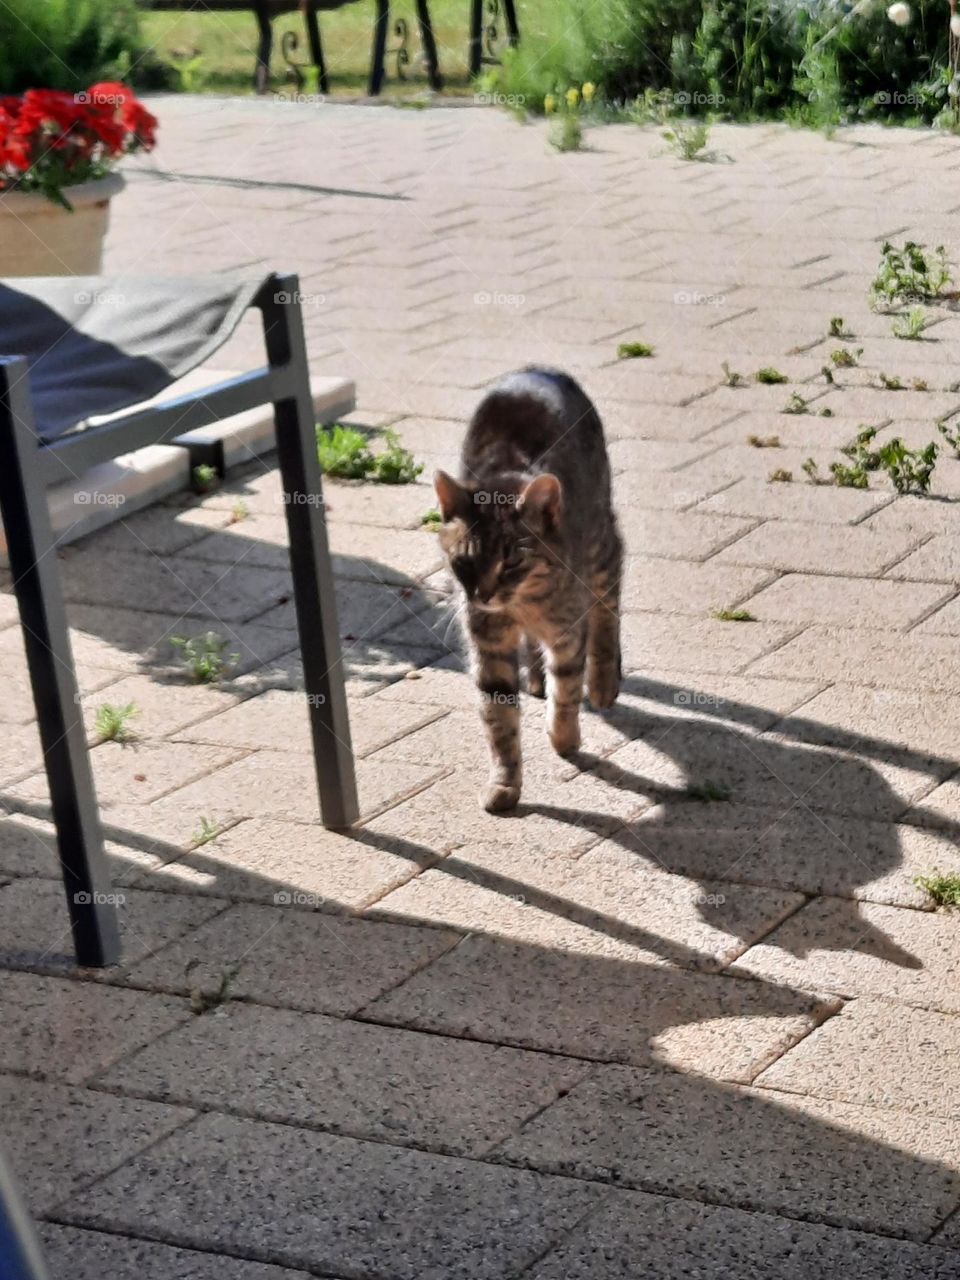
(226, 44)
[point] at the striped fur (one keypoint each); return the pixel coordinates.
(531, 537)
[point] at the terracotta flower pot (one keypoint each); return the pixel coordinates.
(39, 238)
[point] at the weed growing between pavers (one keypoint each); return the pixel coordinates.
(780, 476)
(205, 657)
(733, 615)
(345, 454)
(239, 511)
(689, 141)
(202, 1001)
(796, 404)
(764, 442)
(770, 376)
(111, 722)
(844, 358)
(911, 327)
(204, 478)
(634, 350)
(837, 328)
(943, 889)
(431, 520)
(208, 830)
(909, 275)
(909, 470)
(951, 436)
(709, 792)
(731, 378)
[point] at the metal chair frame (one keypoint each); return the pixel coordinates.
(28, 467)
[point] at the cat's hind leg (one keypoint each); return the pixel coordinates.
(603, 644)
(536, 677)
(496, 661)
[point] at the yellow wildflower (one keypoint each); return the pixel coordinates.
(588, 91)
(573, 97)
(549, 104)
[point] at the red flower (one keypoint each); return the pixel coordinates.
(50, 139)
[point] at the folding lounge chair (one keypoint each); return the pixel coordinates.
(72, 349)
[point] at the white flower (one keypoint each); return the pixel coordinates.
(899, 14)
(955, 25)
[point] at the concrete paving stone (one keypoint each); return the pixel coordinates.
(18, 706)
(917, 515)
(897, 724)
(794, 546)
(132, 641)
(554, 812)
(940, 808)
(796, 430)
(865, 949)
(369, 666)
(278, 720)
(730, 463)
(849, 1165)
(625, 420)
(676, 760)
(60, 1138)
(944, 622)
(139, 580)
(405, 1088)
(163, 706)
(70, 1031)
(289, 956)
(258, 858)
(365, 611)
(73, 1254)
(674, 586)
(641, 457)
(936, 561)
(699, 646)
(876, 658)
(679, 535)
(877, 402)
(766, 500)
(606, 902)
(949, 1235)
(644, 1237)
(380, 506)
(364, 552)
(36, 928)
(879, 1054)
(364, 1207)
(137, 771)
(603, 1008)
(650, 697)
(442, 683)
(162, 529)
(793, 847)
(284, 785)
(847, 602)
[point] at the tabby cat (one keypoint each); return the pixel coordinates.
(532, 539)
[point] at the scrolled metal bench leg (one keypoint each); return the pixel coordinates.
(380, 32)
(316, 45)
(429, 46)
(261, 79)
(36, 582)
(313, 584)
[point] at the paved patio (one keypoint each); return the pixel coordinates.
(628, 1032)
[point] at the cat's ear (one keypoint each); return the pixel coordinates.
(452, 497)
(544, 496)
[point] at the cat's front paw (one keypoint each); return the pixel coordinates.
(499, 797)
(564, 734)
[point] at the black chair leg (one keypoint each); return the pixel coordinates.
(429, 46)
(261, 78)
(476, 36)
(380, 32)
(313, 585)
(316, 45)
(36, 581)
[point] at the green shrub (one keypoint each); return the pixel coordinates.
(66, 44)
(814, 61)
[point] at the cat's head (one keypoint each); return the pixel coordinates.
(501, 538)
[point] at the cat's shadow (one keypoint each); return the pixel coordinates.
(806, 808)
